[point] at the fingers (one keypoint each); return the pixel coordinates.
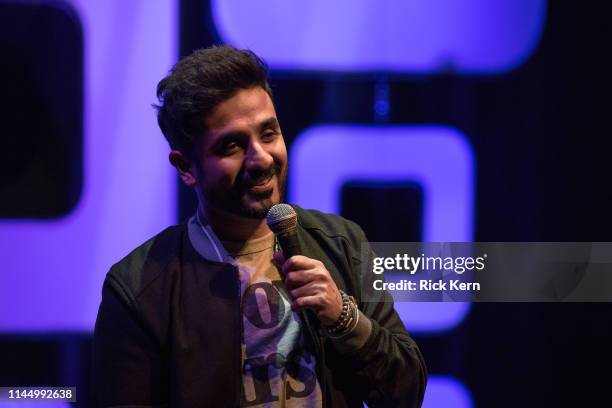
(295, 279)
(323, 306)
(300, 270)
(300, 262)
(310, 286)
(309, 289)
(307, 302)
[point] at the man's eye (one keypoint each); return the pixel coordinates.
(229, 147)
(269, 135)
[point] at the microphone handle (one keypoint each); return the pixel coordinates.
(289, 243)
(290, 246)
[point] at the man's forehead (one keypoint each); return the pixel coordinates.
(252, 105)
(250, 109)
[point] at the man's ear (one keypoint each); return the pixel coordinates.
(184, 167)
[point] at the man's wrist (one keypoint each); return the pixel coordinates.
(352, 329)
(348, 318)
(353, 340)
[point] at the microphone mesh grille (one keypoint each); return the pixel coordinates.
(281, 217)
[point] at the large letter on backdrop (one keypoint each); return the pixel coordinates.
(439, 159)
(52, 270)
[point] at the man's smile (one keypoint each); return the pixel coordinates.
(263, 185)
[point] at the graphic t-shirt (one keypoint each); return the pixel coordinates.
(277, 369)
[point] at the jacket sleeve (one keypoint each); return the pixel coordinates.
(127, 362)
(389, 366)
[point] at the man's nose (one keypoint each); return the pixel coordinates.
(258, 157)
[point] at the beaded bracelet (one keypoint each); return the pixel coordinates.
(348, 316)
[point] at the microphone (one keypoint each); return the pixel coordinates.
(282, 220)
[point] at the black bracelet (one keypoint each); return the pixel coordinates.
(348, 316)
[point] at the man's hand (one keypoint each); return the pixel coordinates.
(310, 286)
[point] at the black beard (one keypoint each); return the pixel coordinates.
(256, 213)
(236, 199)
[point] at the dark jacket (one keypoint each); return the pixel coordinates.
(168, 331)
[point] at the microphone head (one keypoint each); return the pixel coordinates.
(281, 218)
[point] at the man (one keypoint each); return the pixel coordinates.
(205, 314)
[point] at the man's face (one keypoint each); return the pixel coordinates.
(242, 158)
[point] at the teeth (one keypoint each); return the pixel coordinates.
(262, 183)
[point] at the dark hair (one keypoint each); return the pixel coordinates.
(198, 83)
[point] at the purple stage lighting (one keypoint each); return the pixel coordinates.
(419, 36)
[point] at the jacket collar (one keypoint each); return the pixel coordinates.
(206, 242)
